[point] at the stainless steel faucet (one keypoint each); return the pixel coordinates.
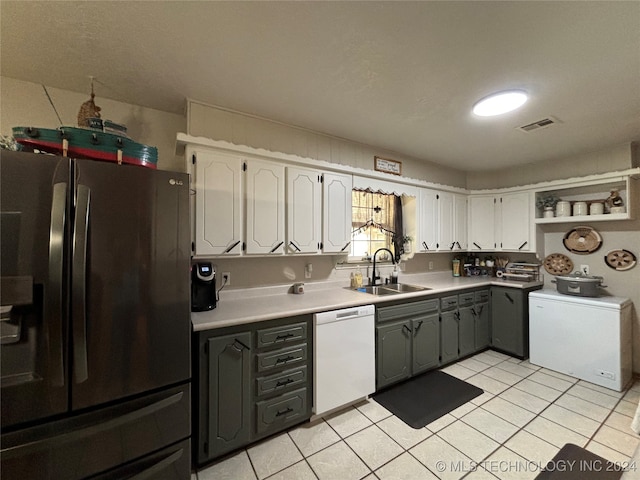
(374, 278)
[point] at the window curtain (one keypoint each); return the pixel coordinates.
(379, 210)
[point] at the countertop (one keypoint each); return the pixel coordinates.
(604, 301)
(240, 306)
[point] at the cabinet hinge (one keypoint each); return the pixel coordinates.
(206, 348)
(244, 166)
(193, 159)
(437, 197)
(206, 447)
(193, 246)
(244, 247)
(494, 200)
(322, 178)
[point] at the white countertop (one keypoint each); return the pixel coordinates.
(240, 306)
(600, 301)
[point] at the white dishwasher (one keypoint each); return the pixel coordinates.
(344, 357)
(585, 337)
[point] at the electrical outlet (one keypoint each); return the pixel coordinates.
(430, 265)
(226, 278)
(584, 269)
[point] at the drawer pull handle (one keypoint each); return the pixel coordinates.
(231, 247)
(294, 246)
(284, 383)
(284, 412)
(473, 310)
(508, 297)
(419, 325)
(285, 336)
(285, 359)
(241, 344)
(404, 327)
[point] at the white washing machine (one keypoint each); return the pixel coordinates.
(585, 337)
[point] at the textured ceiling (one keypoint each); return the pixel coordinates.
(399, 75)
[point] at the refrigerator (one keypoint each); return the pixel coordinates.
(95, 320)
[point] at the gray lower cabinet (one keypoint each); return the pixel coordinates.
(253, 381)
(466, 331)
(393, 353)
(510, 320)
(449, 333)
(407, 340)
(482, 316)
(228, 402)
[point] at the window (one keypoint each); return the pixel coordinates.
(375, 217)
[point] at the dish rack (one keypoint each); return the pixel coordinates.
(522, 272)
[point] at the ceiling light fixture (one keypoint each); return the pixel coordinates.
(499, 103)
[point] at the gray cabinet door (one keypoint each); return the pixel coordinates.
(466, 331)
(229, 403)
(507, 318)
(426, 342)
(448, 337)
(483, 327)
(393, 359)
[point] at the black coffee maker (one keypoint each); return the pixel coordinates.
(203, 287)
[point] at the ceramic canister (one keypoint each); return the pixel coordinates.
(580, 208)
(596, 208)
(563, 209)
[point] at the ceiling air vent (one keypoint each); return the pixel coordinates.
(544, 123)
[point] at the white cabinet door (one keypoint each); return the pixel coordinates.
(265, 207)
(304, 210)
(482, 223)
(428, 211)
(515, 222)
(336, 212)
(217, 181)
(446, 237)
(460, 222)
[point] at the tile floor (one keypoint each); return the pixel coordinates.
(524, 417)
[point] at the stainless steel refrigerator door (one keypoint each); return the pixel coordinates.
(34, 227)
(130, 262)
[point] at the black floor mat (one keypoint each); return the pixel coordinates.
(427, 397)
(575, 463)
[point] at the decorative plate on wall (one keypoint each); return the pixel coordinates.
(620, 259)
(558, 264)
(582, 240)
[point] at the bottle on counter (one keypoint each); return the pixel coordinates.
(456, 267)
(394, 274)
(358, 278)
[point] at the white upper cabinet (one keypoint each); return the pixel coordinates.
(501, 222)
(336, 212)
(304, 210)
(460, 237)
(515, 222)
(428, 221)
(446, 223)
(217, 216)
(265, 223)
(482, 222)
(442, 221)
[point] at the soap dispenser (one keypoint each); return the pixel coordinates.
(394, 274)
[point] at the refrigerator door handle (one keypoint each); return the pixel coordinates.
(78, 282)
(54, 307)
(155, 469)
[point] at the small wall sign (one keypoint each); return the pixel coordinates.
(388, 166)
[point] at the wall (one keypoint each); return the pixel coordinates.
(26, 104)
(235, 127)
(617, 157)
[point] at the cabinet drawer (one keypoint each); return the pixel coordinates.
(409, 309)
(281, 381)
(482, 296)
(282, 335)
(465, 299)
(449, 303)
(282, 358)
(274, 413)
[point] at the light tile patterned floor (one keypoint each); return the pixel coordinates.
(524, 417)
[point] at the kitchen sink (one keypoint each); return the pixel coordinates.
(392, 289)
(405, 287)
(377, 290)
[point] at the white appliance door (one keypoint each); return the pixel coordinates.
(344, 367)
